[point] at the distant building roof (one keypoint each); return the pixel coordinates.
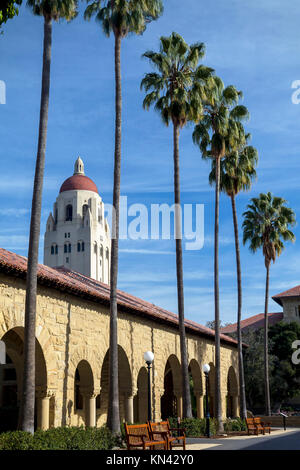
(255, 322)
(77, 284)
(294, 292)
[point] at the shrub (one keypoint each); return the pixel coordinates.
(66, 438)
(16, 440)
(236, 424)
(195, 426)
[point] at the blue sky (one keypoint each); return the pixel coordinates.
(251, 44)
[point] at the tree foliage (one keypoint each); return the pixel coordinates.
(123, 16)
(180, 84)
(266, 225)
(284, 375)
(9, 9)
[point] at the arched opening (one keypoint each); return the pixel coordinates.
(196, 388)
(232, 394)
(125, 387)
(69, 213)
(84, 397)
(171, 401)
(11, 377)
(141, 398)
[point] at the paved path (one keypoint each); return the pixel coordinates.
(277, 440)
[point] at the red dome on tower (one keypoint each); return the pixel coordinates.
(78, 180)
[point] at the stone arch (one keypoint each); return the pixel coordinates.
(141, 398)
(11, 378)
(84, 393)
(232, 394)
(125, 387)
(196, 387)
(171, 400)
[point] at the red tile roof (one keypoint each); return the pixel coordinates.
(78, 182)
(294, 292)
(255, 322)
(83, 286)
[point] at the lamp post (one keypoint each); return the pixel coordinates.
(149, 356)
(206, 370)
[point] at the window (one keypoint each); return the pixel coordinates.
(69, 247)
(65, 235)
(68, 234)
(65, 248)
(84, 209)
(52, 250)
(69, 213)
(67, 259)
(80, 246)
(56, 249)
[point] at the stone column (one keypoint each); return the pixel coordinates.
(179, 403)
(129, 408)
(156, 406)
(90, 413)
(199, 402)
(43, 406)
(235, 406)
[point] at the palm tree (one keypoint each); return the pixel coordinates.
(237, 171)
(266, 225)
(218, 129)
(176, 91)
(119, 17)
(50, 10)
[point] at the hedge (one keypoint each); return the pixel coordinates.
(66, 438)
(196, 427)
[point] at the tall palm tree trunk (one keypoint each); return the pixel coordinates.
(266, 345)
(243, 408)
(113, 415)
(186, 395)
(218, 398)
(28, 391)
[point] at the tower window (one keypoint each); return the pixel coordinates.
(65, 248)
(69, 213)
(65, 235)
(69, 247)
(52, 250)
(67, 260)
(84, 209)
(80, 246)
(56, 249)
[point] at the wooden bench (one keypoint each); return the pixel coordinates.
(251, 427)
(175, 436)
(138, 436)
(261, 424)
(256, 425)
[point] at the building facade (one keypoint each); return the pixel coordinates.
(72, 347)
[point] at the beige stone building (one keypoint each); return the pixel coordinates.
(72, 329)
(72, 342)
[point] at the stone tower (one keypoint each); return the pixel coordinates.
(77, 234)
